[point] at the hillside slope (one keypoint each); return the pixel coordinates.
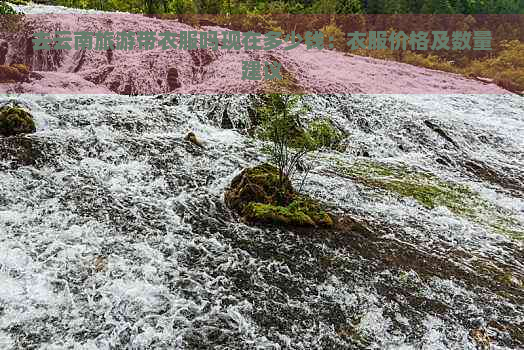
(203, 70)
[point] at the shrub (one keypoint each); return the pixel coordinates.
(18, 2)
(280, 124)
(339, 37)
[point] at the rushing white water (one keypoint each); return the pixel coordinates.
(117, 236)
(114, 234)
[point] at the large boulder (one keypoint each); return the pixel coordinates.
(259, 184)
(259, 196)
(15, 121)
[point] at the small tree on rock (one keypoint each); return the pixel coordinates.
(280, 124)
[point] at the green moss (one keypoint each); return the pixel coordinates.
(426, 189)
(15, 121)
(300, 212)
(260, 184)
(431, 192)
(276, 190)
(507, 225)
(312, 209)
(325, 134)
(272, 214)
(6, 9)
(454, 197)
(261, 195)
(507, 279)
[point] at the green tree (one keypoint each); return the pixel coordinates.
(324, 7)
(396, 6)
(280, 124)
(375, 6)
(349, 7)
(437, 7)
(5, 9)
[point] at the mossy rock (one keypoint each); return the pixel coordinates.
(259, 184)
(16, 72)
(311, 208)
(301, 212)
(275, 214)
(15, 121)
(257, 195)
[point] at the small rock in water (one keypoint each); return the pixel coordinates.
(481, 338)
(191, 137)
(100, 263)
(440, 132)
